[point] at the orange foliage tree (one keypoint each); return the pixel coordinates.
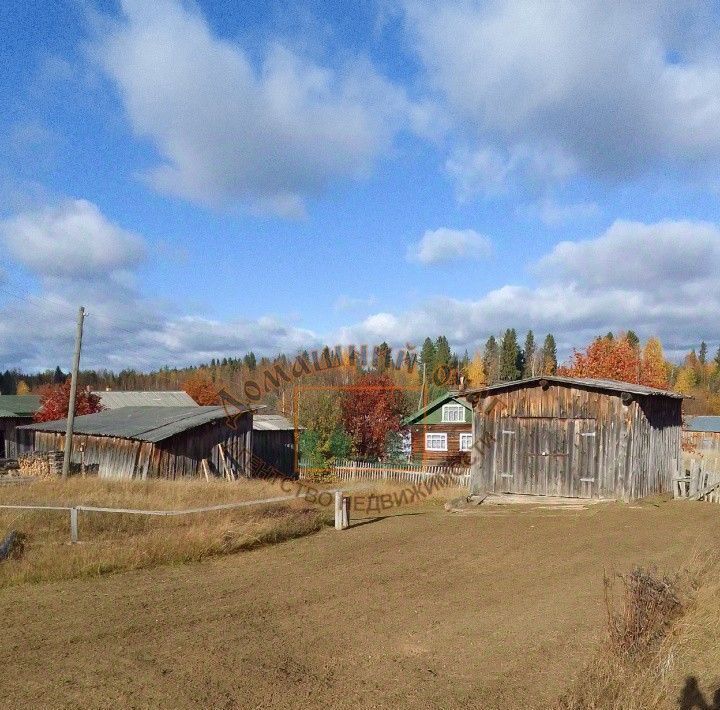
(55, 402)
(202, 389)
(617, 359)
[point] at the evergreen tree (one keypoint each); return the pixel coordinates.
(633, 339)
(384, 357)
(250, 361)
(491, 360)
(443, 354)
(509, 355)
(702, 355)
(58, 376)
(549, 356)
(529, 355)
(427, 355)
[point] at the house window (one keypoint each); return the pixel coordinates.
(435, 442)
(465, 442)
(452, 413)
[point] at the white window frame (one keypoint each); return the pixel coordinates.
(435, 433)
(453, 406)
(468, 436)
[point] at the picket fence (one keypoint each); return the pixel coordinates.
(379, 471)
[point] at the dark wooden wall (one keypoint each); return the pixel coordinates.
(8, 426)
(452, 457)
(570, 441)
(276, 448)
(177, 457)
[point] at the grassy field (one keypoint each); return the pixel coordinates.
(114, 542)
(489, 608)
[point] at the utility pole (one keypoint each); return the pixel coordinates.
(73, 392)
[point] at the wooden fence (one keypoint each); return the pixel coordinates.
(414, 473)
(700, 479)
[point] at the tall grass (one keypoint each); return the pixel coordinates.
(113, 542)
(662, 644)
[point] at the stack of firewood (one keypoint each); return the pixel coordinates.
(45, 465)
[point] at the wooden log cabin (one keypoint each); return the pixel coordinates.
(571, 437)
(151, 442)
(441, 432)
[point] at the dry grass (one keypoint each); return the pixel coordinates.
(662, 647)
(115, 542)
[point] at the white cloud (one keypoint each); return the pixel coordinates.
(553, 214)
(70, 240)
(609, 89)
(232, 133)
(349, 303)
(657, 279)
(442, 245)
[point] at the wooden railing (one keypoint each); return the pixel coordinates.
(382, 471)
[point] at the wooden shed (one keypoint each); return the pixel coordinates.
(151, 442)
(15, 410)
(575, 437)
(274, 442)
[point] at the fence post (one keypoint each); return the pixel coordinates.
(73, 525)
(345, 512)
(338, 510)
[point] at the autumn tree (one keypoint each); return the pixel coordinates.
(372, 409)
(55, 402)
(654, 371)
(22, 388)
(476, 371)
(202, 389)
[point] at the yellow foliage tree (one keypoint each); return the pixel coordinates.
(654, 367)
(686, 380)
(22, 388)
(476, 371)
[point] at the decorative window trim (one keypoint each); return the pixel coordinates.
(442, 447)
(467, 436)
(453, 407)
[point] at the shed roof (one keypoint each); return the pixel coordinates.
(608, 385)
(272, 422)
(115, 399)
(18, 405)
(435, 404)
(151, 424)
(706, 424)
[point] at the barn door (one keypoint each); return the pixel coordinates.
(507, 479)
(547, 456)
(583, 464)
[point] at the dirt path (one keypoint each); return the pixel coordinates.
(493, 609)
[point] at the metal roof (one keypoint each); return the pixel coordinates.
(113, 399)
(18, 405)
(612, 385)
(435, 404)
(272, 422)
(139, 423)
(706, 424)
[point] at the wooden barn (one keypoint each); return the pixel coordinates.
(441, 432)
(273, 442)
(15, 410)
(581, 438)
(151, 442)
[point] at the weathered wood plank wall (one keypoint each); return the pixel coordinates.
(571, 441)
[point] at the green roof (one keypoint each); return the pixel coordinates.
(151, 424)
(442, 399)
(18, 405)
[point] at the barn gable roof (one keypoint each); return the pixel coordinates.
(18, 405)
(151, 424)
(607, 385)
(272, 422)
(431, 406)
(114, 399)
(703, 424)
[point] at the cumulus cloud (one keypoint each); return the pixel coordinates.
(609, 89)
(70, 240)
(232, 133)
(80, 257)
(443, 245)
(657, 279)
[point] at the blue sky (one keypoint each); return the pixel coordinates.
(213, 177)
